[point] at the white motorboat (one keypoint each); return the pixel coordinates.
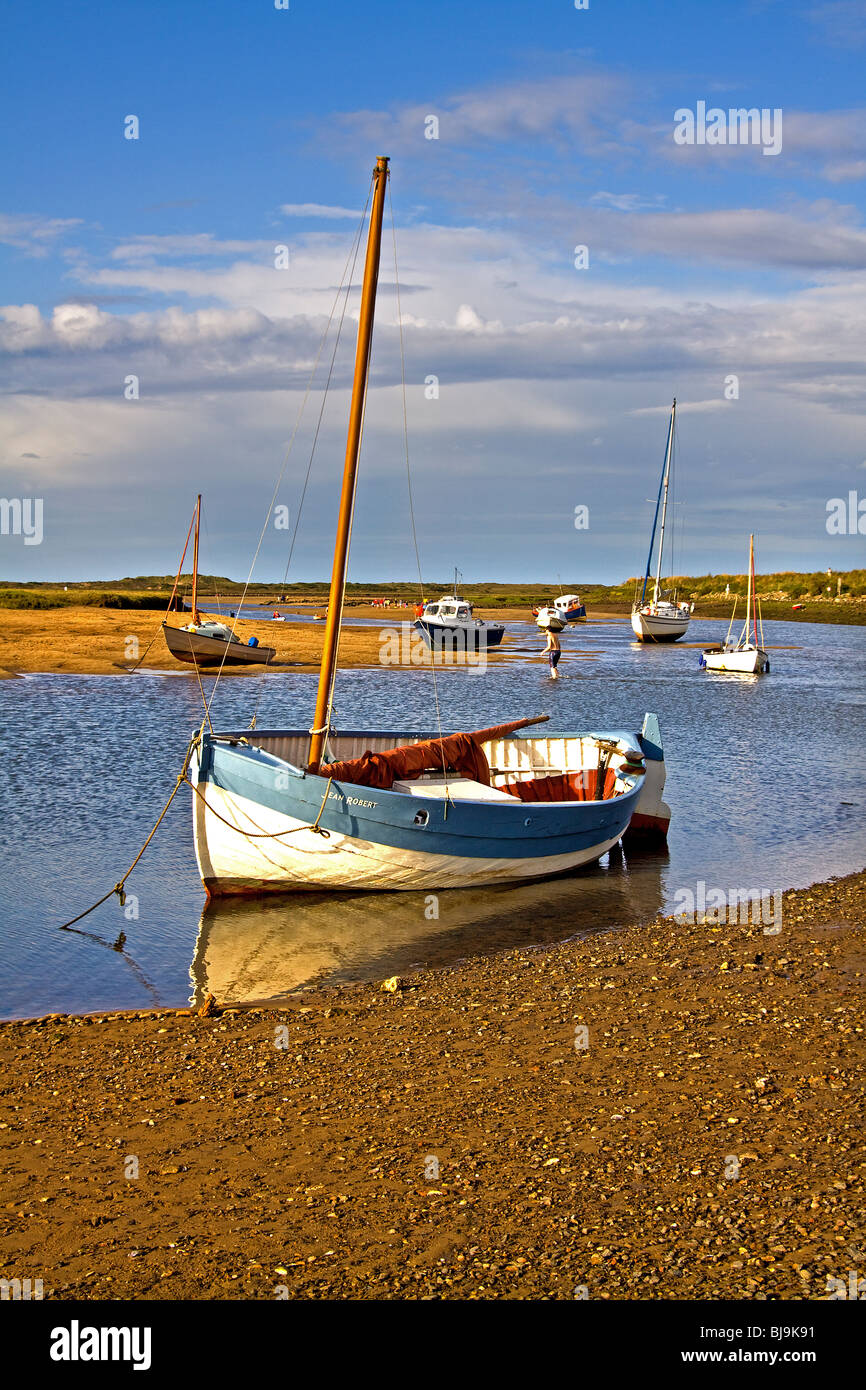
(571, 608)
(451, 622)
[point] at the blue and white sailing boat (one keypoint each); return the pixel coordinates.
(662, 618)
(387, 809)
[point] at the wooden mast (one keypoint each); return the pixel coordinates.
(353, 444)
(195, 613)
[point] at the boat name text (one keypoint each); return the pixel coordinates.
(351, 800)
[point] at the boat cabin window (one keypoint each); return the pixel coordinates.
(432, 609)
(447, 610)
(463, 612)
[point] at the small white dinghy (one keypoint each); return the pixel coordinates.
(744, 655)
(549, 619)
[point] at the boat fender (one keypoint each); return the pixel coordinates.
(633, 763)
(253, 642)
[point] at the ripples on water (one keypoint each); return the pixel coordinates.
(764, 778)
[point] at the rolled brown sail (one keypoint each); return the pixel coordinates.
(462, 753)
(503, 730)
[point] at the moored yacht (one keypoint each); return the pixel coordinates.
(662, 618)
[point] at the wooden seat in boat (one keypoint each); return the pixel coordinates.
(458, 788)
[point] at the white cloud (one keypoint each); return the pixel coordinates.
(149, 248)
(322, 210)
(851, 172)
(626, 202)
(585, 108)
(37, 236)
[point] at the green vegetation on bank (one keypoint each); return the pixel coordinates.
(48, 596)
(839, 597)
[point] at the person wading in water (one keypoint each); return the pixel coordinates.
(554, 652)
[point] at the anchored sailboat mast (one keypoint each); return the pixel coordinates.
(667, 476)
(327, 672)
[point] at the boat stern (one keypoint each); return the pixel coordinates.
(652, 814)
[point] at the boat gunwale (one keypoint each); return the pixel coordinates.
(346, 791)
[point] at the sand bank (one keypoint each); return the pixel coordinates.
(104, 641)
(450, 1140)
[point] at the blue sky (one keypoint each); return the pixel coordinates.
(259, 127)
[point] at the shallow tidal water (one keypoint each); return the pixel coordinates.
(765, 781)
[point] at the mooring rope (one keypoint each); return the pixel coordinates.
(119, 887)
(182, 777)
(269, 834)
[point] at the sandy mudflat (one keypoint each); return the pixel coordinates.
(96, 641)
(313, 1167)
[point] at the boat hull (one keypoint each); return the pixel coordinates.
(253, 812)
(456, 638)
(752, 662)
(196, 650)
(571, 609)
(549, 619)
(659, 627)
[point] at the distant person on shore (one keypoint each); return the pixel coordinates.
(554, 652)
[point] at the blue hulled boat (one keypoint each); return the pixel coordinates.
(326, 809)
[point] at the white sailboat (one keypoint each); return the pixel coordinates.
(662, 619)
(745, 654)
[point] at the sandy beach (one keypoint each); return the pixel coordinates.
(460, 1137)
(101, 641)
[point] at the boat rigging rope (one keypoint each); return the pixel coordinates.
(330, 715)
(330, 712)
(268, 834)
(203, 696)
(274, 495)
(409, 483)
(345, 280)
(133, 669)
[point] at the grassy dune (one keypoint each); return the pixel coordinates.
(840, 598)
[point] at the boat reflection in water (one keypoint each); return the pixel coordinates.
(257, 951)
